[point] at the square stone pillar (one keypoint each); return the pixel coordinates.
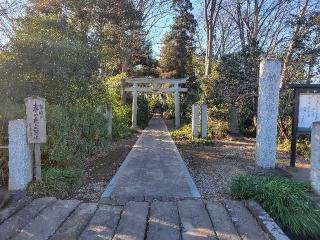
(204, 127)
(20, 156)
(134, 106)
(177, 106)
(268, 108)
(195, 120)
(315, 157)
(109, 119)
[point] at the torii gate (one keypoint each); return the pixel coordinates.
(156, 82)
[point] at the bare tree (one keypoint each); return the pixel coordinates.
(211, 12)
(299, 27)
(8, 10)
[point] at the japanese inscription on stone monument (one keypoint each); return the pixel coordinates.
(309, 110)
(36, 120)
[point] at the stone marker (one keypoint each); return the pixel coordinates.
(315, 157)
(195, 120)
(20, 157)
(204, 127)
(36, 128)
(109, 119)
(268, 102)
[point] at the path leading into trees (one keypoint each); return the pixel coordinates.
(153, 169)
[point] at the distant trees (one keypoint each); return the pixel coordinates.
(63, 49)
(178, 45)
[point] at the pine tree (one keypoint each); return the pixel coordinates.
(178, 50)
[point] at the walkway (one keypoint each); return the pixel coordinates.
(153, 169)
(49, 218)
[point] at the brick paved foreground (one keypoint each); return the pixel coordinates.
(153, 168)
(49, 218)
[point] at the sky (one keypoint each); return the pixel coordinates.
(164, 26)
(157, 33)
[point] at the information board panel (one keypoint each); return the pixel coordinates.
(309, 110)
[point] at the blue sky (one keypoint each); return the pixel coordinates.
(157, 33)
(165, 23)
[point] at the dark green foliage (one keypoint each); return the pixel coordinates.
(178, 50)
(73, 133)
(287, 202)
(146, 106)
(55, 181)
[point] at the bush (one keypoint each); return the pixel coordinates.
(288, 202)
(54, 181)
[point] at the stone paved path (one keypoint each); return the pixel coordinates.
(153, 169)
(49, 218)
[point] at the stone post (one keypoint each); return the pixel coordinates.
(268, 104)
(315, 157)
(195, 120)
(204, 127)
(134, 106)
(20, 156)
(109, 119)
(99, 109)
(177, 105)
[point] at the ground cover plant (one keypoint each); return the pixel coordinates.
(288, 202)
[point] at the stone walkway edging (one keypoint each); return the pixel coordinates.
(266, 222)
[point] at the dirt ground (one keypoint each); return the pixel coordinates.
(101, 167)
(213, 166)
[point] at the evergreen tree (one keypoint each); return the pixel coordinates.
(178, 50)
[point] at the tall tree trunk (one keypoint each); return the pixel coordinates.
(233, 119)
(208, 57)
(293, 43)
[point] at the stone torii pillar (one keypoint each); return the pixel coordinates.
(177, 105)
(156, 83)
(134, 105)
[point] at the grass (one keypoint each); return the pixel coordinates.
(55, 182)
(184, 133)
(288, 202)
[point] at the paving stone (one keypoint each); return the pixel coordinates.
(13, 207)
(221, 221)
(76, 223)
(266, 221)
(196, 223)
(47, 222)
(133, 220)
(247, 226)
(23, 217)
(102, 224)
(164, 221)
(153, 168)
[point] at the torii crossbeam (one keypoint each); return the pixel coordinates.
(155, 82)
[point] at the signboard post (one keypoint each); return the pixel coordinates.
(36, 128)
(306, 111)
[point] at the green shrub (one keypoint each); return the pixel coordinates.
(54, 181)
(288, 202)
(73, 133)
